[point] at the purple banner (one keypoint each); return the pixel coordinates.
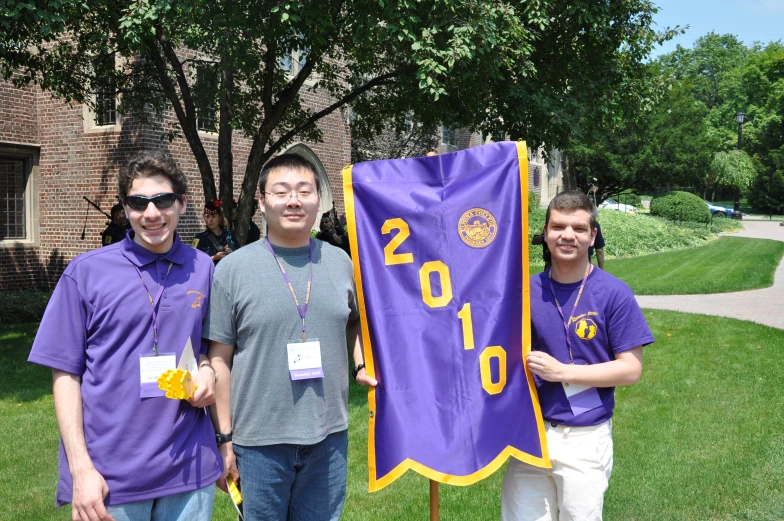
(441, 263)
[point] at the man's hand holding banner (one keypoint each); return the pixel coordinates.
(441, 262)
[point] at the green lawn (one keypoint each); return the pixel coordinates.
(727, 264)
(700, 438)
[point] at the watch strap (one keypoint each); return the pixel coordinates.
(356, 370)
(220, 439)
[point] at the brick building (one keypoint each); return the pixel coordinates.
(53, 154)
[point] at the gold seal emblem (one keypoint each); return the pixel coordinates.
(477, 227)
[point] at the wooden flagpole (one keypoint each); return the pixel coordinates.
(433, 500)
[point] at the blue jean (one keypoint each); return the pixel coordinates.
(294, 482)
(188, 506)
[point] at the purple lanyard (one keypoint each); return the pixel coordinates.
(574, 308)
(154, 303)
(302, 310)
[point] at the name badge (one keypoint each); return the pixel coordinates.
(152, 367)
(582, 398)
(305, 359)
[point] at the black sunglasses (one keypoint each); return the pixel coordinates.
(140, 202)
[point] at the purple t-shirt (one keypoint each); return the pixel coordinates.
(607, 321)
(97, 325)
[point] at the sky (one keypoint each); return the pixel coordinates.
(749, 20)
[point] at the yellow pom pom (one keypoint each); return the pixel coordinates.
(234, 491)
(177, 383)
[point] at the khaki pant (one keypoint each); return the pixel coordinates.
(573, 489)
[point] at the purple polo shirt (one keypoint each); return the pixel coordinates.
(97, 325)
(607, 321)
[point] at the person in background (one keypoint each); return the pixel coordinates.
(254, 234)
(117, 228)
(333, 233)
(598, 246)
(215, 241)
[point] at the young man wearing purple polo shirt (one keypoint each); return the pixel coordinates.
(588, 335)
(119, 316)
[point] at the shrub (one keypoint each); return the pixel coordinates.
(680, 206)
(629, 197)
(634, 235)
(21, 307)
(533, 201)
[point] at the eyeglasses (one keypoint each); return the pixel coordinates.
(161, 201)
(284, 195)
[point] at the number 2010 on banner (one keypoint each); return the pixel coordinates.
(464, 315)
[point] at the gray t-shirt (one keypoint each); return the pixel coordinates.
(252, 308)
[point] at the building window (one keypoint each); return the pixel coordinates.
(206, 92)
(292, 63)
(105, 100)
(105, 105)
(12, 198)
(449, 140)
(18, 201)
(537, 175)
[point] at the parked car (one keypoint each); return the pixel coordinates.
(611, 204)
(719, 211)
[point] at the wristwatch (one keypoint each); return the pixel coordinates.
(220, 439)
(356, 370)
(214, 372)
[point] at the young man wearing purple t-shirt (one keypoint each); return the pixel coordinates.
(588, 335)
(119, 316)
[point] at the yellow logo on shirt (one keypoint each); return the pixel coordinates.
(198, 301)
(477, 227)
(585, 328)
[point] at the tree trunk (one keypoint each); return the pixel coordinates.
(225, 154)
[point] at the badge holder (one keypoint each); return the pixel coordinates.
(305, 359)
(151, 368)
(582, 398)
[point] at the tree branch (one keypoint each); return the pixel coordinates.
(187, 121)
(384, 79)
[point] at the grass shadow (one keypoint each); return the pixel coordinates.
(23, 381)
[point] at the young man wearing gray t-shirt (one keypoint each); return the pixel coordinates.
(281, 313)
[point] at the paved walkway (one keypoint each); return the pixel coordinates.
(763, 306)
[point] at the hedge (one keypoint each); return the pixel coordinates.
(680, 206)
(631, 198)
(21, 307)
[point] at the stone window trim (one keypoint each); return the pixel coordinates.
(29, 154)
(91, 124)
(91, 127)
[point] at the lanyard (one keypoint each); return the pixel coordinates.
(588, 270)
(154, 303)
(302, 310)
